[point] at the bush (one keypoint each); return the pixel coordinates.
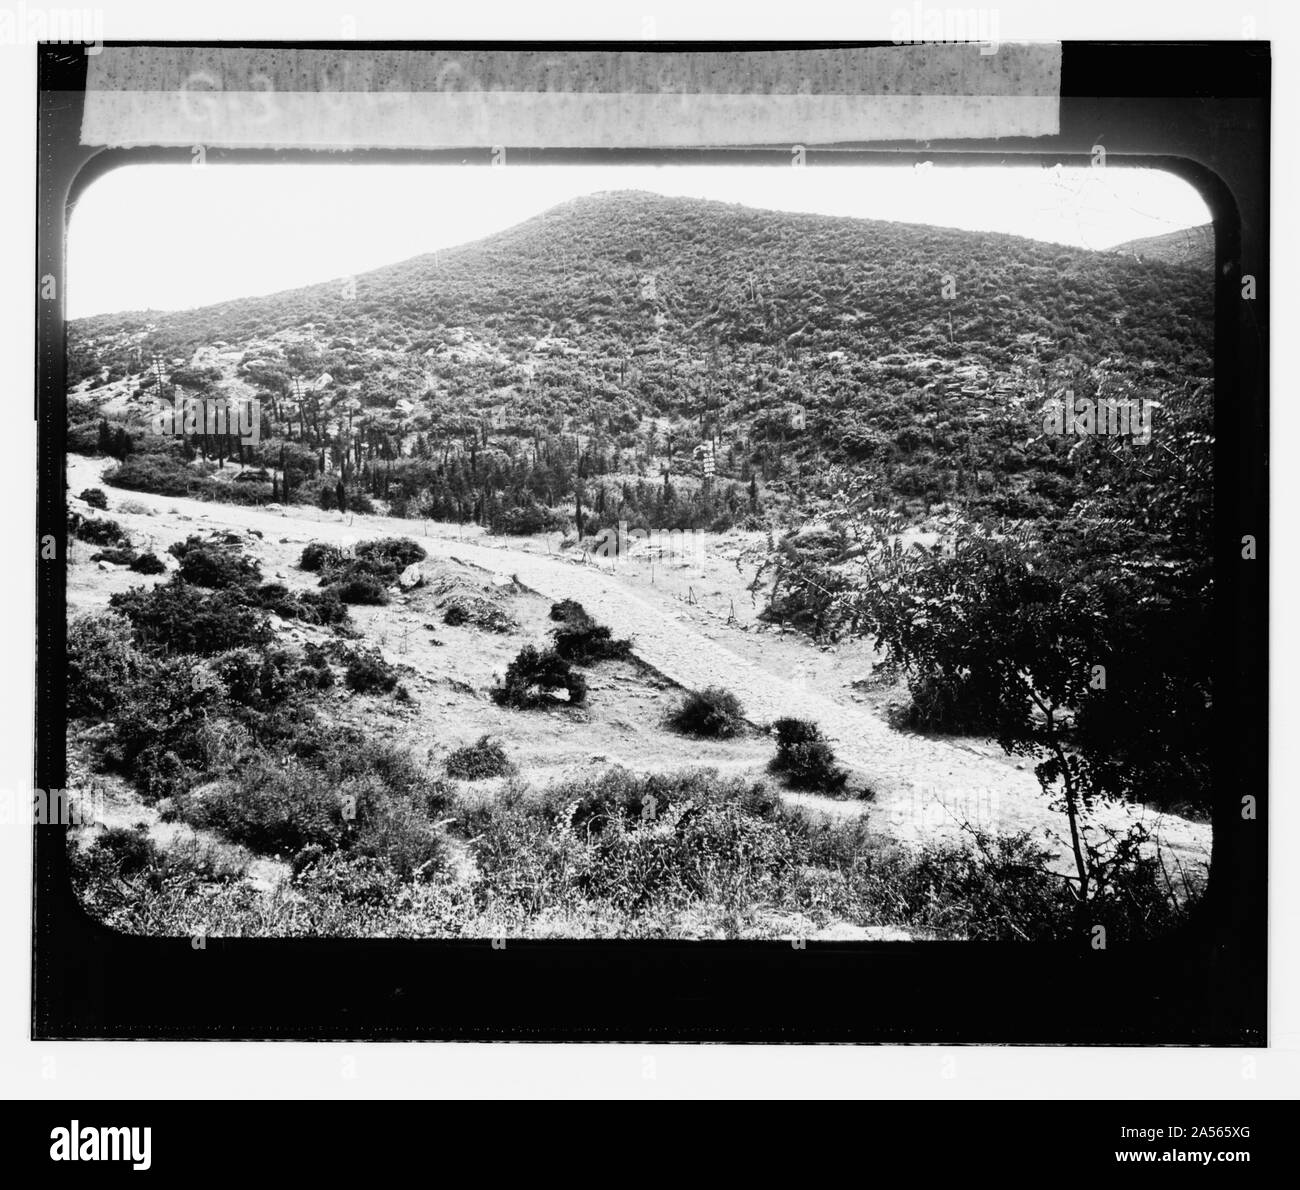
(803, 757)
(638, 845)
(161, 474)
(314, 673)
(588, 804)
(128, 850)
(568, 610)
(148, 563)
(102, 663)
(580, 640)
(362, 880)
(373, 565)
(465, 608)
(361, 589)
(322, 607)
(944, 702)
(527, 519)
(473, 762)
(534, 676)
(186, 619)
(162, 724)
(95, 498)
(97, 530)
(396, 553)
(368, 801)
(273, 808)
(714, 713)
(319, 555)
(368, 672)
(117, 555)
(256, 677)
(311, 854)
(209, 564)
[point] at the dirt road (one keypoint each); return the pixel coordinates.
(923, 787)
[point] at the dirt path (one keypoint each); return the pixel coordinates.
(923, 787)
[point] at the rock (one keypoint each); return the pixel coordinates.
(103, 566)
(274, 507)
(411, 577)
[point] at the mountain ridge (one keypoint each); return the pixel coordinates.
(646, 328)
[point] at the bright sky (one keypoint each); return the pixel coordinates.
(169, 237)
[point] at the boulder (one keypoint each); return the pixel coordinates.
(411, 577)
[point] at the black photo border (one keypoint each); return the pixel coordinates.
(1197, 109)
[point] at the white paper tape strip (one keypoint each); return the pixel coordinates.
(353, 99)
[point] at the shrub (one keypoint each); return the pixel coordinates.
(399, 834)
(311, 854)
(102, 663)
(803, 757)
(590, 803)
(209, 564)
(483, 758)
(395, 768)
(714, 713)
(368, 671)
(127, 849)
(186, 619)
(322, 607)
(580, 640)
(366, 800)
(568, 610)
(158, 473)
(314, 673)
(400, 550)
(275, 598)
(162, 723)
(117, 555)
(319, 555)
(256, 677)
(224, 491)
(526, 519)
(273, 808)
(362, 880)
(942, 702)
(396, 553)
(95, 498)
(361, 589)
(148, 563)
(464, 608)
(637, 845)
(98, 530)
(534, 676)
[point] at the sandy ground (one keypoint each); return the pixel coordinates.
(693, 624)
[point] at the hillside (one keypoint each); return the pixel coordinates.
(615, 334)
(1190, 246)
